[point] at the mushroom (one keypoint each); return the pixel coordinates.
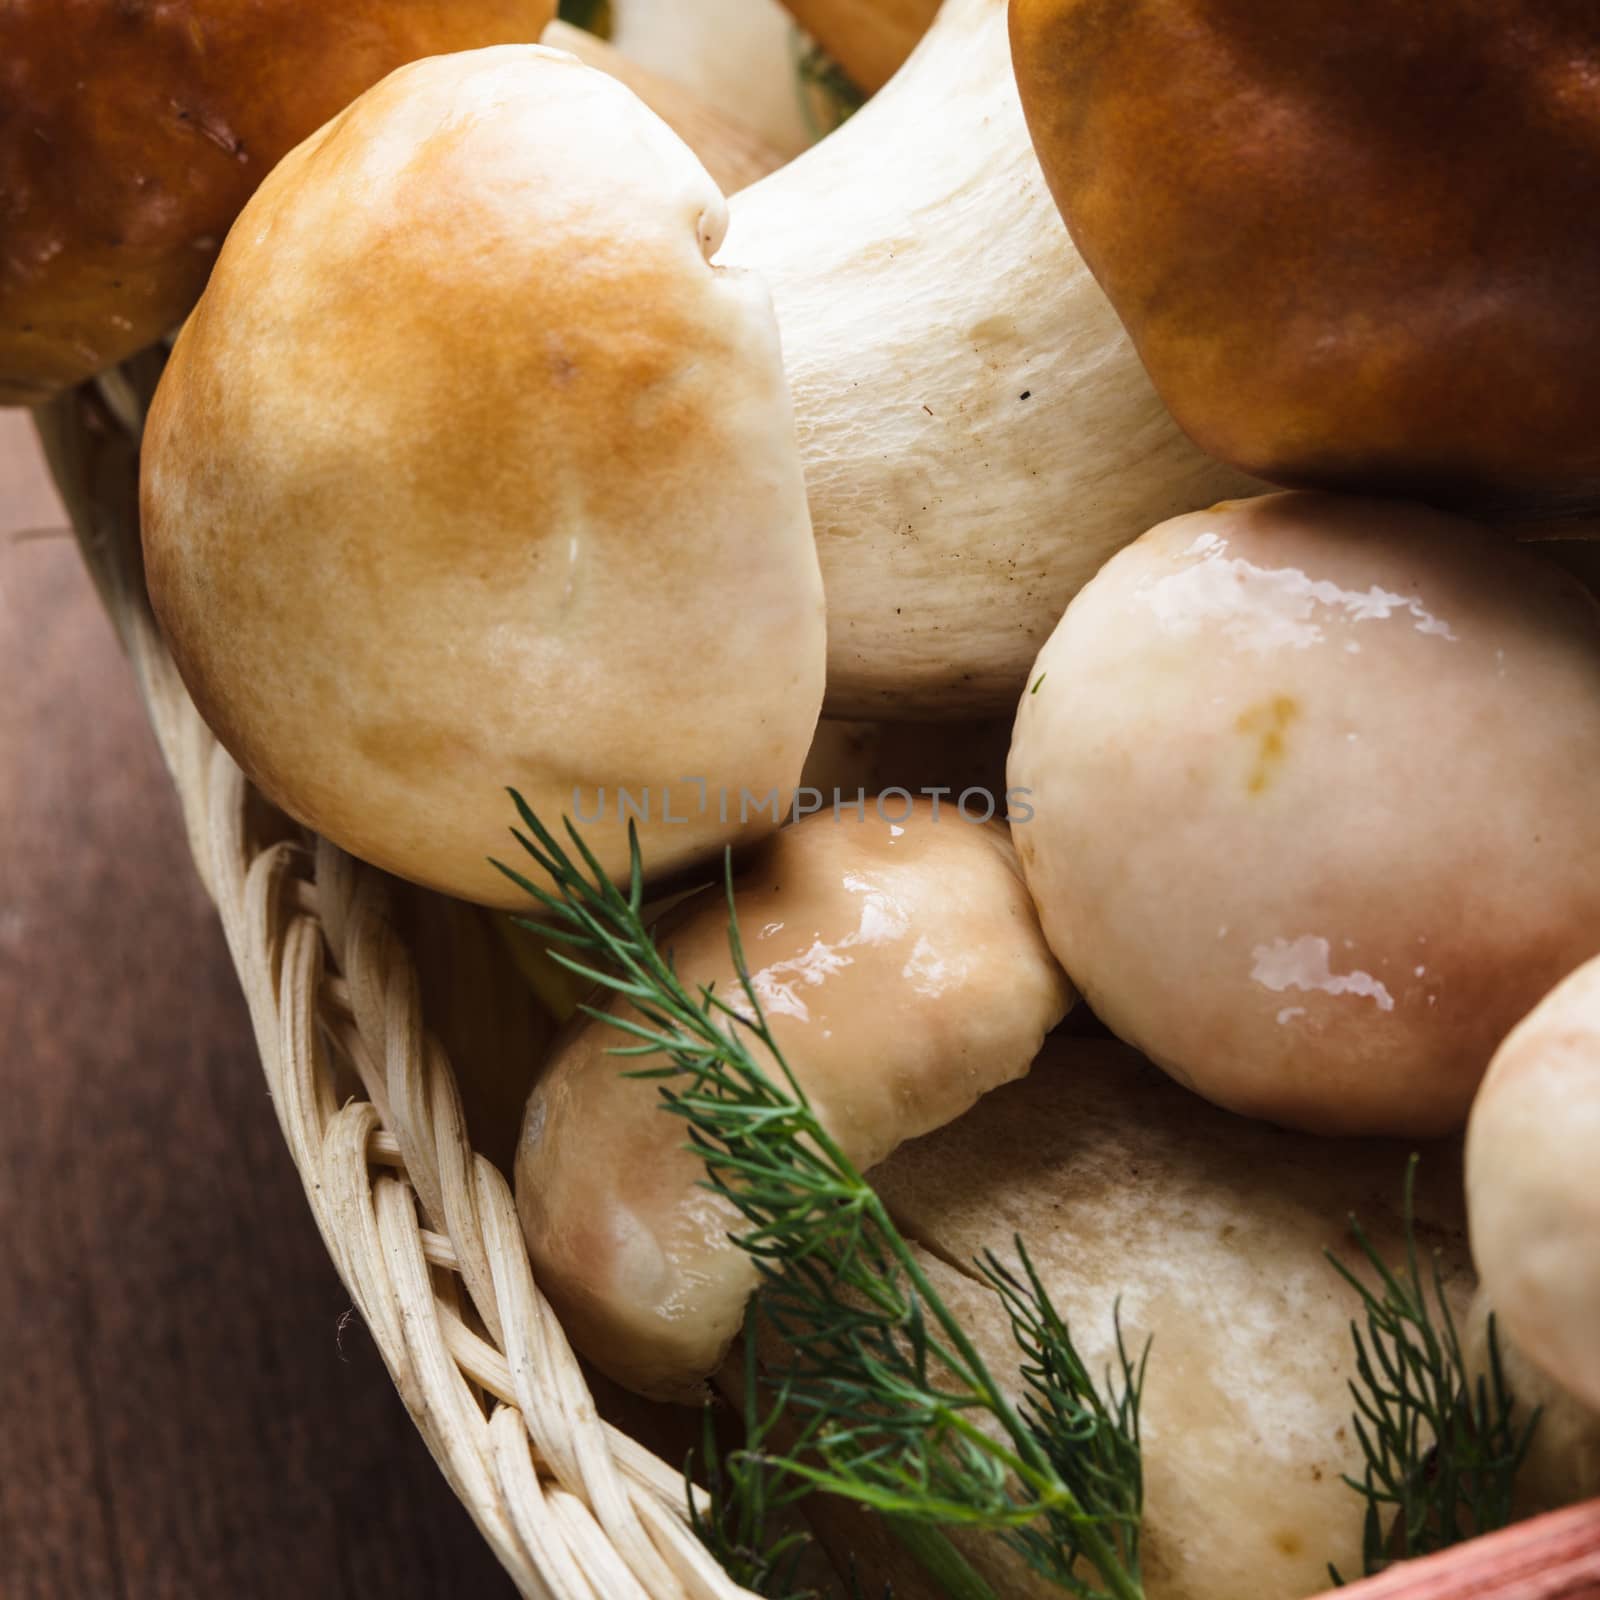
(470, 471)
(1311, 781)
(903, 974)
(870, 39)
(1533, 1193)
(1393, 339)
(1205, 1234)
(977, 431)
(130, 136)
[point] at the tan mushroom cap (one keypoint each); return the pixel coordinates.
(470, 472)
(903, 973)
(1206, 1232)
(1314, 789)
(1533, 1186)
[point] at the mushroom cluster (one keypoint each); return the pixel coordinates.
(504, 450)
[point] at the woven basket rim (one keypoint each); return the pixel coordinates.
(421, 1228)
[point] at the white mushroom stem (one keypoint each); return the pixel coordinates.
(739, 56)
(978, 433)
(733, 154)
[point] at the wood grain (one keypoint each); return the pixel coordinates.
(183, 1413)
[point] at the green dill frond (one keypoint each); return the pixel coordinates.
(1442, 1451)
(1090, 1433)
(748, 1521)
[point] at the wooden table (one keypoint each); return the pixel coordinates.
(185, 1409)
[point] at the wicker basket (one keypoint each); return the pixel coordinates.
(422, 1227)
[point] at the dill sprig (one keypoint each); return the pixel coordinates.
(894, 1407)
(749, 1494)
(1442, 1451)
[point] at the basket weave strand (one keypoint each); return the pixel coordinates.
(421, 1228)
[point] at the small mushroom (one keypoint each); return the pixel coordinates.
(978, 433)
(470, 471)
(1533, 1181)
(1312, 782)
(903, 974)
(131, 135)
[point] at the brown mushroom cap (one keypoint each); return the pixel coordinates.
(131, 135)
(1313, 783)
(1356, 245)
(469, 471)
(903, 974)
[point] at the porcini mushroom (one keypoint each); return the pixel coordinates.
(1311, 781)
(130, 136)
(1356, 252)
(977, 431)
(903, 975)
(1204, 1233)
(470, 471)
(1533, 1189)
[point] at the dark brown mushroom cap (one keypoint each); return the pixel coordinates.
(1356, 244)
(131, 134)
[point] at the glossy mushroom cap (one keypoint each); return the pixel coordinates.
(1357, 249)
(903, 973)
(1313, 785)
(131, 135)
(469, 472)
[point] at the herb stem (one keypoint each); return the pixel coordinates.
(938, 1557)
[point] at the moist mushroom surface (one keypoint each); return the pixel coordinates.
(1313, 786)
(901, 968)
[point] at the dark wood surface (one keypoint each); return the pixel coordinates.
(184, 1411)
